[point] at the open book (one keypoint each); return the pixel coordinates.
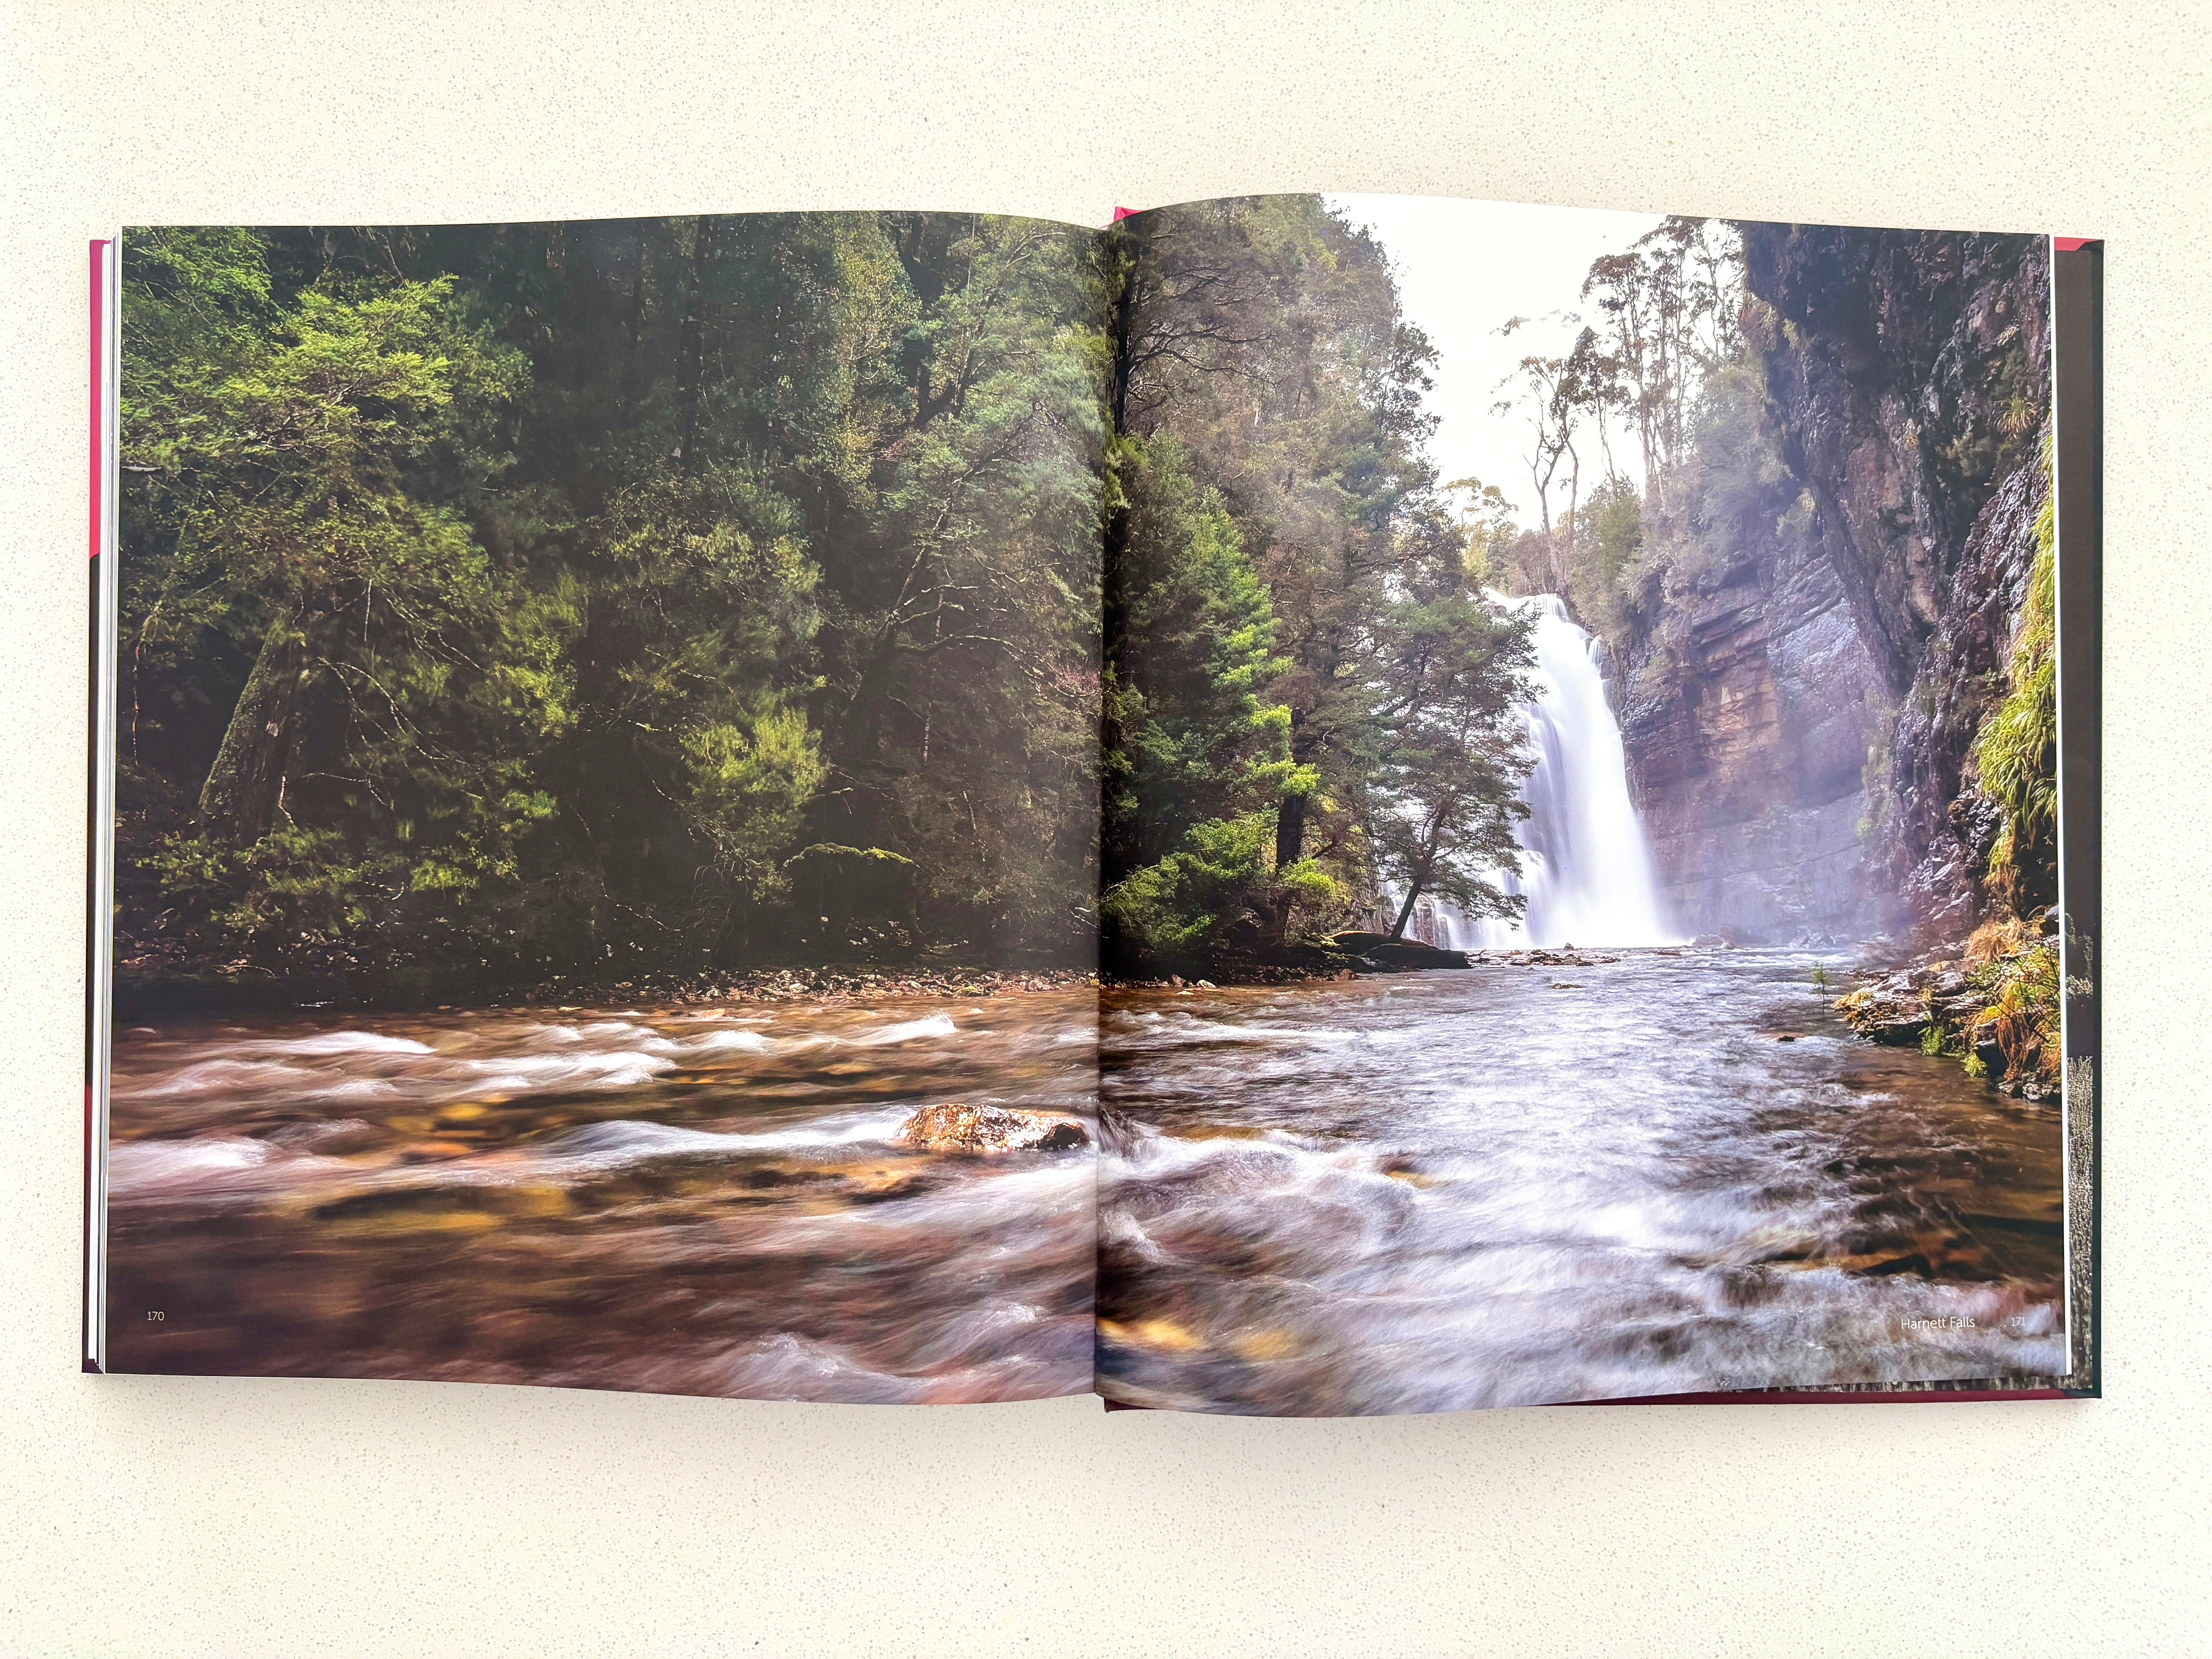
(1302, 804)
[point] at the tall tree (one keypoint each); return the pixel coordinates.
(299, 470)
(1451, 757)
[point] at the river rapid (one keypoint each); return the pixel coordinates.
(1668, 1173)
(1671, 1173)
(695, 1201)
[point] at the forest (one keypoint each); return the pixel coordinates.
(1308, 701)
(513, 603)
(510, 604)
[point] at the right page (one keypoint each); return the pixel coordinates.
(1582, 834)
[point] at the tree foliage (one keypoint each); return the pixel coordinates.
(2017, 749)
(1295, 636)
(515, 600)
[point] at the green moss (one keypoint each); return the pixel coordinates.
(2016, 750)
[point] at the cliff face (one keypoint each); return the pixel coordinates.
(1746, 724)
(1800, 712)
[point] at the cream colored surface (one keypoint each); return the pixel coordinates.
(140, 1515)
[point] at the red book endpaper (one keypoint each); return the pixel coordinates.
(99, 335)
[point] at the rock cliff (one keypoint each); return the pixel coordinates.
(1831, 627)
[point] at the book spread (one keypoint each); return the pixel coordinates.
(1301, 805)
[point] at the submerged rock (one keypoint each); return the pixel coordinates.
(1565, 958)
(955, 1128)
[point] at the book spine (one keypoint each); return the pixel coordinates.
(2077, 293)
(99, 829)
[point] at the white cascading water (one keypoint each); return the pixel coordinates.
(1587, 873)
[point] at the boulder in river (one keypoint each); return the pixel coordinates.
(956, 1128)
(1892, 1011)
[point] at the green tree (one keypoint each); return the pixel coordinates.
(1262, 337)
(1192, 756)
(1451, 760)
(296, 469)
(567, 597)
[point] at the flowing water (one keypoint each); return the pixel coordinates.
(1650, 1170)
(1587, 874)
(702, 1201)
(1665, 1173)
(1671, 1173)
(1660, 1171)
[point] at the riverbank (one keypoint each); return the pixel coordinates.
(139, 995)
(1992, 1004)
(1342, 955)
(829, 986)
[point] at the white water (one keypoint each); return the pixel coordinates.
(1587, 871)
(1311, 1204)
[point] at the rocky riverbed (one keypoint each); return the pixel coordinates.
(1555, 1175)
(843, 1196)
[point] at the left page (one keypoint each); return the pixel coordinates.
(606, 806)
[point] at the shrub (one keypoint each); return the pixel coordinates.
(2021, 1016)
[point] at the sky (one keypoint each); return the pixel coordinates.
(1462, 268)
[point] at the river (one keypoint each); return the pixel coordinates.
(1405, 1193)
(698, 1201)
(1670, 1173)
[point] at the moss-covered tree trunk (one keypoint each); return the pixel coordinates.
(240, 797)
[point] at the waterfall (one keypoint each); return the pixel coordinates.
(1587, 871)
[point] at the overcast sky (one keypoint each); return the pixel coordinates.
(1462, 269)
